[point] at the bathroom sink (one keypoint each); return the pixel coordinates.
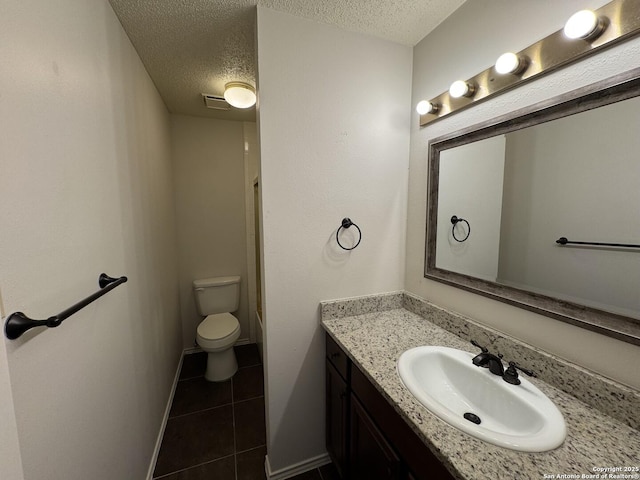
(448, 384)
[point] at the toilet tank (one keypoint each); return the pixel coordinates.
(217, 295)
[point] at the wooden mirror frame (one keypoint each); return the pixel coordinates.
(612, 90)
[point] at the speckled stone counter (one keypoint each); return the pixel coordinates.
(375, 330)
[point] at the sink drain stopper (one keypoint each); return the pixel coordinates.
(472, 417)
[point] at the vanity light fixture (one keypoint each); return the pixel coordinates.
(510, 63)
(240, 94)
(460, 88)
(544, 56)
(583, 24)
(423, 107)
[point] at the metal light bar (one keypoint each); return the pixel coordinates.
(619, 19)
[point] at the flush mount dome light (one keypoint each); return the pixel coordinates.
(509, 63)
(425, 107)
(240, 94)
(583, 24)
(460, 88)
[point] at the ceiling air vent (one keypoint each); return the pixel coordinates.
(217, 103)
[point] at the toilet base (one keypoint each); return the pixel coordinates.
(221, 366)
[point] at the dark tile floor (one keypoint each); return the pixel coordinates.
(217, 430)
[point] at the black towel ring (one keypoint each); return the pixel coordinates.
(346, 223)
(455, 220)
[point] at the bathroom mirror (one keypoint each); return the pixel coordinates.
(502, 193)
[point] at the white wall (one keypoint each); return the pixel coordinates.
(334, 136)
(459, 48)
(10, 458)
(470, 187)
(208, 164)
(575, 177)
(85, 188)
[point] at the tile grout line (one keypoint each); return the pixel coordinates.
(203, 410)
(249, 399)
(252, 448)
(165, 475)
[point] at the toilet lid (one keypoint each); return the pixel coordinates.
(219, 325)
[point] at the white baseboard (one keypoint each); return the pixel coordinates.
(190, 350)
(296, 469)
(167, 409)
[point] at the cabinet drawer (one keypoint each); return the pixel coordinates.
(337, 357)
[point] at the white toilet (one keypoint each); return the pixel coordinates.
(216, 298)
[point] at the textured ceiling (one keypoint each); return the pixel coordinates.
(190, 47)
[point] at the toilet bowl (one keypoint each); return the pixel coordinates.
(215, 299)
(216, 335)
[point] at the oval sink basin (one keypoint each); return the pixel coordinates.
(479, 403)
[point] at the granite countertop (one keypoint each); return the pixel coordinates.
(595, 441)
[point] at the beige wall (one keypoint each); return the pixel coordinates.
(552, 174)
(86, 187)
(10, 458)
(209, 178)
(459, 48)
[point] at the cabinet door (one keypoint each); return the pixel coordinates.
(371, 457)
(337, 418)
(422, 464)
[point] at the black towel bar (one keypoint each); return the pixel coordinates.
(564, 241)
(18, 322)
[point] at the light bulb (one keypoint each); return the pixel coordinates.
(459, 89)
(508, 63)
(425, 107)
(240, 94)
(582, 24)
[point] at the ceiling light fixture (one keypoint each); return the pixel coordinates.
(510, 63)
(583, 24)
(425, 107)
(240, 94)
(461, 88)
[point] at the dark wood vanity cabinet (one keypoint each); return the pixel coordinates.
(370, 455)
(365, 437)
(338, 376)
(337, 418)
